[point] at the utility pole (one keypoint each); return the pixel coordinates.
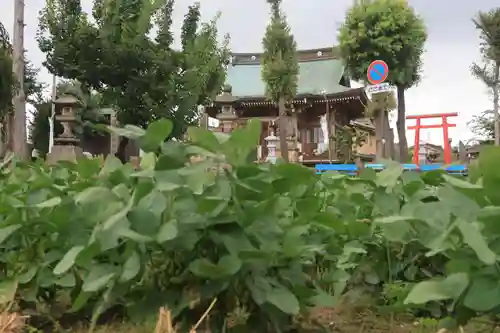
(19, 100)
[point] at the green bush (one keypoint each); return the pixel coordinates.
(266, 241)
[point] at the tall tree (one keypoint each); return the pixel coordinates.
(488, 23)
(32, 87)
(143, 77)
(391, 31)
(483, 126)
(280, 67)
(6, 75)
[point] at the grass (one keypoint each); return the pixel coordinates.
(365, 320)
(339, 320)
(335, 321)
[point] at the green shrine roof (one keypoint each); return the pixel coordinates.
(320, 72)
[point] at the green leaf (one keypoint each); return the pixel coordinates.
(292, 241)
(168, 231)
(80, 301)
(66, 281)
(68, 260)
(204, 138)
(7, 231)
(155, 135)
(148, 162)
(115, 218)
(126, 232)
(8, 289)
(473, 237)
(242, 143)
(111, 164)
(128, 131)
(227, 266)
(390, 175)
(438, 290)
(131, 267)
(483, 294)
(460, 183)
(393, 219)
(323, 299)
(488, 167)
(98, 278)
(283, 299)
(49, 203)
(330, 220)
(27, 276)
(93, 194)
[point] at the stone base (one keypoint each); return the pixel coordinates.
(64, 153)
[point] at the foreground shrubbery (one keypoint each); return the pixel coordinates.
(267, 242)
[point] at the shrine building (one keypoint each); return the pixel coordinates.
(324, 91)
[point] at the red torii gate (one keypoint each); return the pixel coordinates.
(444, 125)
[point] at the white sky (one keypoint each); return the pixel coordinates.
(452, 46)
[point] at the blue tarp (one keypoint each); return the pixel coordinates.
(352, 168)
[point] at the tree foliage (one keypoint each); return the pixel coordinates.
(6, 75)
(280, 68)
(483, 125)
(144, 78)
(33, 88)
(488, 23)
(391, 31)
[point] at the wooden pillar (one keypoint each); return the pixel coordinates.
(380, 134)
(114, 139)
(332, 132)
(389, 143)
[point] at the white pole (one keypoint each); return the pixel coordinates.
(52, 114)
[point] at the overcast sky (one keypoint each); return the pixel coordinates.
(452, 46)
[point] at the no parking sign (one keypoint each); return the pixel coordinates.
(377, 72)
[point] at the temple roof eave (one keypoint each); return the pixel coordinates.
(304, 98)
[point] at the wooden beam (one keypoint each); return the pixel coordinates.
(430, 126)
(432, 115)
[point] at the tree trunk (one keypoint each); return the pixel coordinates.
(282, 127)
(401, 125)
(121, 151)
(9, 132)
(496, 96)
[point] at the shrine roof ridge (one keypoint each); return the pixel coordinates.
(315, 77)
(254, 58)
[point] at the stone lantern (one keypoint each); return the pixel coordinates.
(271, 144)
(227, 116)
(66, 145)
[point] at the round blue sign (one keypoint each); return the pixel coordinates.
(377, 72)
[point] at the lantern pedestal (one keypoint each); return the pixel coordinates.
(64, 153)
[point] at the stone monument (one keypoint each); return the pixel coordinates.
(66, 145)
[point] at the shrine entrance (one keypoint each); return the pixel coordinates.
(444, 125)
